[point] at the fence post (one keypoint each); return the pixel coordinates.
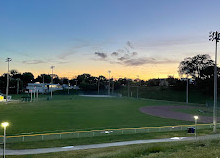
(42, 137)
(135, 130)
(60, 136)
(23, 139)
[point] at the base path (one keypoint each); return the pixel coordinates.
(167, 112)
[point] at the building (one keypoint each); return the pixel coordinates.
(42, 87)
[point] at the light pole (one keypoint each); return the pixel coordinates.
(137, 85)
(7, 60)
(196, 118)
(215, 36)
(187, 90)
(109, 83)
(4, 125)
(51, 92)
(98, 84)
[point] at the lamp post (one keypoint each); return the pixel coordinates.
(215, 36)
(187, 90)
(109, 82)
(196, 118)
(98, 84)
(4, 125)
(51, 92)
(137, 85)
(7, 60)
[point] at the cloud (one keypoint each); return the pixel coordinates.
(143, 61)
(115, 54)
(33, 62)
(65, 55)
(101, 55)
(130, 45)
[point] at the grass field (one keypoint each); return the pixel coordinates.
(80, 113)
(201, 111)
(168, 93)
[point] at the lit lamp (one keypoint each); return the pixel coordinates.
(4, 125)
(196, 118)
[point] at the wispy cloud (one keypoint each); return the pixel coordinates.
(101, 55)
(129, 57)
(33, 62)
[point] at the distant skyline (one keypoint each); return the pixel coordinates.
(148, 38)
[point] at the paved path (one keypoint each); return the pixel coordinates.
(104, 145)
(167, 112)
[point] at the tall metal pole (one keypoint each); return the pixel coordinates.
(7, 60)
(215, 92)
(215, 36)
(187, 90)
(113, 84)
(109, 83)
(51, 92)
(4, 142)
(68, 86)
(18, 85)
(98, 84)
(137, 85)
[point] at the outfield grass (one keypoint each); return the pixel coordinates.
(167, 93)
(80, 113)
(201, 111)
(190, 149)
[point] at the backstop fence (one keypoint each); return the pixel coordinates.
(94, 133)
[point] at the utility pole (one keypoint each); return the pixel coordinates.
(7, 60)
(18, 79)
(109, 83)
(215, 36)
(98, 85)
(137, 86)
(187, 90)
(51, 92)
(113, 84)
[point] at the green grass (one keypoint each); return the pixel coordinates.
(190, 149)
(80, 113)
(167, 93)
(201, 111)
(104, 139)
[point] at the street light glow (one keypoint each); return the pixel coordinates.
(5, 124)
(196, 117)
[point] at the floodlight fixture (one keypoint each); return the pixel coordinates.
(4, 124)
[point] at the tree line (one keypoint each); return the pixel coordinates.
(200, 68)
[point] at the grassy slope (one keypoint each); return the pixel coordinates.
(80, 113)
(104, 139)
(192, 149)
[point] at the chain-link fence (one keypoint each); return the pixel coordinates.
(94, 133)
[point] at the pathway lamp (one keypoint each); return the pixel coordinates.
(196, 118)
(4, 125)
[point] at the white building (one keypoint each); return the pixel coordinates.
(42, 87)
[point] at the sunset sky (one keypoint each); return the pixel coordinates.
(129, 37)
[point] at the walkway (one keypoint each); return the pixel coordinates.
(104, 145)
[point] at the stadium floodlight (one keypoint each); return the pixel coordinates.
(215, 36)
(109, 72)
(7, 60)
(51, 93)
(196, 118)
(4, 125)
